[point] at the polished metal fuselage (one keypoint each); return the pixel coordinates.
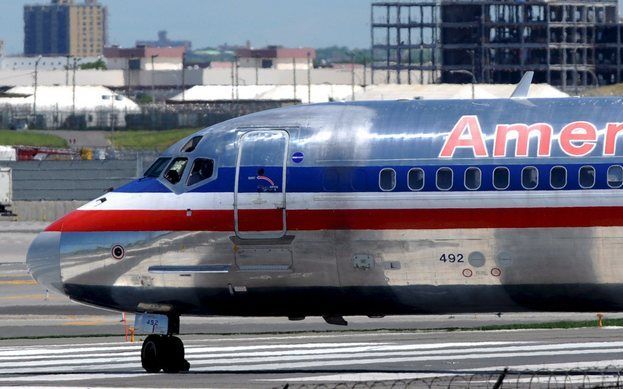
(342, 271)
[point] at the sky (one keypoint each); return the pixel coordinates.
(293, 23)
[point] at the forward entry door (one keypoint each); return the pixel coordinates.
(260, 189)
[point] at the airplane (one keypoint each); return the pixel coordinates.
(357, 208)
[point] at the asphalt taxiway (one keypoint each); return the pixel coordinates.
(449, 358)
(271, 352)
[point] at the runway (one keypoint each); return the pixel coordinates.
(327, 358)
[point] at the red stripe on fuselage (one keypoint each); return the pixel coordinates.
(351, 219)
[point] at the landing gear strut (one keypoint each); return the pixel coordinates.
(165, 353)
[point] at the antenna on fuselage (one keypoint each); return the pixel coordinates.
(522, 89)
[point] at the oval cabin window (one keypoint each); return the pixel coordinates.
(558, 177)
(387, 180)
(530, 177)
(473, 178)
(444, 178)
(415, 179)
(615, 176)
(587, 177)
(501, 178)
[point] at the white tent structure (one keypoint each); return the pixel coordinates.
(453, 91)
(319, 93)
(98, 106)
(325, 92)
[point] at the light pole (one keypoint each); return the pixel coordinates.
(309, 66)
(294, 76)
(112, 114)
(73, 89)
(67, 71)
(183, 82)
(352, 75)
(153, 80)
(34, 104)
(468, 73)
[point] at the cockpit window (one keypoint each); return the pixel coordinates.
(157, 167)
(190, 146)
(201, 170)
(176, 170)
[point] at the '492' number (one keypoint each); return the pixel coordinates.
(451, 258)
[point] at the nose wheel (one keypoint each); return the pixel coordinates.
(164, 353)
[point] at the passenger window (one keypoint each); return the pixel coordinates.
(473, 178)
(415, 179)
(558, 177)
(501, 178)
(176, 170)
(587, 177)
(444, 178)
(387, 179)
(157, 167)
(530, 177)
(615, 176)
(191, 144)
(201, 170)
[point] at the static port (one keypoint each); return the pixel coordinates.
(117, 252)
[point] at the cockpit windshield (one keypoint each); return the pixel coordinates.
(202, 169)
(190, 146)
(176, 170)
(156, 168)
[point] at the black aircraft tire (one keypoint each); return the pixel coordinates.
(152, 353)
(173, 361)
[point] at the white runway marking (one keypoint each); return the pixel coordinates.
(73, 362)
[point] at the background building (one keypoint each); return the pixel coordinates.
(46, 63)
(145, 58)
(1, 48)
(573, 45)
(276, 57)
(65, 28)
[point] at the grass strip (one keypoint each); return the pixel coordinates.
(30, 138)
(148, 140)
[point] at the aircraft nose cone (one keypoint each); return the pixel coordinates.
(44, 260)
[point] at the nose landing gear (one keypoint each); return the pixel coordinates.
(160, 352)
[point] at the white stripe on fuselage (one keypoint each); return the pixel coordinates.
(388, 200)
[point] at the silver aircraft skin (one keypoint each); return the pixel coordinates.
(363, 208)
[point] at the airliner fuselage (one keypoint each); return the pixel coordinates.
(371, 208)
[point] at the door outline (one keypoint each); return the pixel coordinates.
(271, 235)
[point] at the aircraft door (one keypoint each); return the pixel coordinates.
(260, 188)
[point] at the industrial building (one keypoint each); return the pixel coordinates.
(64, 27)
(276, 57)
(145, 58)
(569, 44)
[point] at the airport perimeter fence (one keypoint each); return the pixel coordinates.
(609, 377)
(74, 180)
(149, 117)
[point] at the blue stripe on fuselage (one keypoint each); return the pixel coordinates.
(144, 185)
(366, 179)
